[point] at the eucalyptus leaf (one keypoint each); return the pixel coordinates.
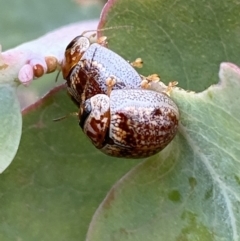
(191, 190)
(11, 124)
(183, 40)
(57, 179)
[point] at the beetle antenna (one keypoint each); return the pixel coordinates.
(60, 118)
(57, 75)
(94, 54)
(65, 116)
(109, 28)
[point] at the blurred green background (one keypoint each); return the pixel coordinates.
(25, 20)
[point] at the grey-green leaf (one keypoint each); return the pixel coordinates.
(10, 125)
(191, 190)
(57, 179)
(182, 40)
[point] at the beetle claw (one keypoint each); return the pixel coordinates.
(153, 82)
(147, 81)
(110, 82)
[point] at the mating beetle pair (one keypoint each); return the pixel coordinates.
(120, 117)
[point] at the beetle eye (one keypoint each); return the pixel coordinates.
(85, 113)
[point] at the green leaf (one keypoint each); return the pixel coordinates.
(11, 124)
(191, 190)
(57, 180)
(183, 40)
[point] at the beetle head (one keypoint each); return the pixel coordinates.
(73, 53)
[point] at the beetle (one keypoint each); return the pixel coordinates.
(120, 117)
(91, 68)
(131, 123)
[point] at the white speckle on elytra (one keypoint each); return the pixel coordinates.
(136, 115)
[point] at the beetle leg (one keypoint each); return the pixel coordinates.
(102, 41)
(170, 87)
(110, 82)
(65, 116)
(152, 82)
(147, 81)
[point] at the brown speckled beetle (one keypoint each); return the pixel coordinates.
(120, 117)
(90, 69)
